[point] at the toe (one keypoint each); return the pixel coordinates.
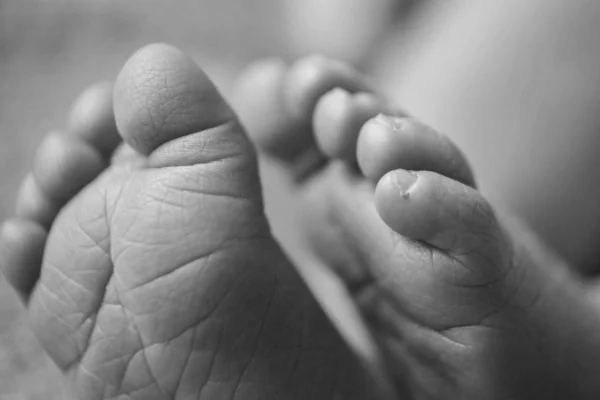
(387, 143)
(311, 77)
(92, 119)
(63, 165)
(66, 162)
(338, 118)
(444, 214)
(34, 204)
(21, 249)
(258, 100)
(277, 103)
(165, 105)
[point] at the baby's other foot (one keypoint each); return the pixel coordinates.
(159, 275)
(462, 305)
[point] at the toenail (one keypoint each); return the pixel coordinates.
(391, 122)
(404, 181)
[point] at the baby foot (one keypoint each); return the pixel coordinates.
(462, 305)
(159, 276)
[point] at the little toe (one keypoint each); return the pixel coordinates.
(258, 100)
(302, 87)
(338, 119)
(34, 204)
(386, 143)
(92, 119)
(63, 165)
(446, 215)
(311, 77)
(66, 162)
(277, 104)
(272, 128)
(21, 250)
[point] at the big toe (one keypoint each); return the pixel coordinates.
(166, 107)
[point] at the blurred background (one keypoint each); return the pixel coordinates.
(514, 82)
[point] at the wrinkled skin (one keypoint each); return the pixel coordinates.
(463, 302)
(161, 280)
(507, 322)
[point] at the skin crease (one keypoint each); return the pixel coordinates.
(161, 278)
(572, 292)
(504, 316)
(411, 323)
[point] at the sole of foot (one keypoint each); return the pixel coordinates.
(461, 304)
(148, 268)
